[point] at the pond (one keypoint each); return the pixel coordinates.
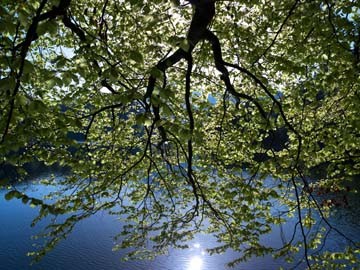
(90, 244)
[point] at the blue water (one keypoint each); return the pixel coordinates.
(89, 247)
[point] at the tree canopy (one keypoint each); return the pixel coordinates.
(173, 115)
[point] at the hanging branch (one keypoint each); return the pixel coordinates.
(190, 174)
(298, 203)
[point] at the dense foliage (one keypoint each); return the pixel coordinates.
(173, 115)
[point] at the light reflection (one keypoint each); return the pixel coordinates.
(195, 263)
(104, 90)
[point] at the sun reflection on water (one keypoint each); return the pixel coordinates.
(195, 263)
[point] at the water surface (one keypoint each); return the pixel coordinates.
(90, 244)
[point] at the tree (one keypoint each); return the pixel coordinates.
(172, 115)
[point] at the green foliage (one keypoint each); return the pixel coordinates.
(13, 194)
(154, 150)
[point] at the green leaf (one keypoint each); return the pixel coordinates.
(136, 56)
(13, 194)
(7, 27)
(140, 119)
(185, 45)
(185, 134)
(7, 83)
(156, 73)
(148, 122)
(21, 100)
(176, 3)
(25, 199)
(37, 106)
(155, 100)
(49, 26)
(4, 181)
(35, 202)
(24, 17)
(51, 83)
(28, 67)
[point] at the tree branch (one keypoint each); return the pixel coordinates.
(204, 12)
(220, 66)
(291, 11)
(30, 35)
(94, 114)
(191, 126)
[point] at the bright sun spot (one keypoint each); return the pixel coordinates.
(195, 263)
(196, 245)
